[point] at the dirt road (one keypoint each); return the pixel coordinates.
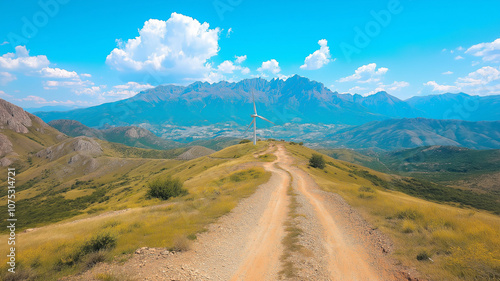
(335, 243)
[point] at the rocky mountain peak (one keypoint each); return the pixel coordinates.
(15, 118)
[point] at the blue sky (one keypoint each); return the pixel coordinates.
(82, 53)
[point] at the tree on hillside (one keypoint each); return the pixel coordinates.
(317, 161)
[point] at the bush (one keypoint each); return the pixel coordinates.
(244, 141)
(317, 161)
(181, 244)
(94, 258)
(423, 256)
(166, 188)
(100, 242)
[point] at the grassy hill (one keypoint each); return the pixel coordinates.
(434, 227)
(129, 135)
(449, 165)
(84, 187)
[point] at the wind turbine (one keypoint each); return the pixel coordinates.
(254, 121)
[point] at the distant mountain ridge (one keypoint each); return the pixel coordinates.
(296, 99)
(394, 134)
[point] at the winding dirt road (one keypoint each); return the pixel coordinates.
(247, 244)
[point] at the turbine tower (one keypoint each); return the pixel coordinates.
(254, 121)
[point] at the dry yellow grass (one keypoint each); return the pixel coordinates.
(463, 244)
(215, 186)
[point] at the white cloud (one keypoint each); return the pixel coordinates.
(91, 91)
(356, 89)
(460, 48)
(52, 84)
(459, 58)
(57, 73)
(447, 72)
(441, 88)
(3, 94)
(86, 75)
(319, 58)
(40, 100)
(6, 77)
(271, 66)
(174, 51)
(226, 67)
(484, 81)
(229, 31)
(482, 76)
(395, 86)
(240, 59)
(22, 61)
(127, 90)
(4, 43)
(488, 51)
(134, 86)
(366, 74)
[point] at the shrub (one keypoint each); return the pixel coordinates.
(100, 242)
(94, 258)
(166, 188)
(423, 256)
(244, 141)
(181, 244)
(366, 189)
(317, 161)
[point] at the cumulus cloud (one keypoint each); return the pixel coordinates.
(441, 88)
(459, 58)
(175, 51)
(271, 66)
(393, 87)
(366, 74)
(447, 72)
(229, 66)
(240, 59)
(58, 73)
(484, 81)
(482, 76)
(22, 61)
(122, 91)
(487, 51)
(54, 84)
(319, 58)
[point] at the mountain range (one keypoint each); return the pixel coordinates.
(294, 100)
(304, 110)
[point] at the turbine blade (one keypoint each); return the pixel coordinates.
(254, 107)
(265, 119)
(249, 125)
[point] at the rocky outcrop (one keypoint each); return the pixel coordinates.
(195, 152)
(82, 145)
(5, 145)
(15, 118)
